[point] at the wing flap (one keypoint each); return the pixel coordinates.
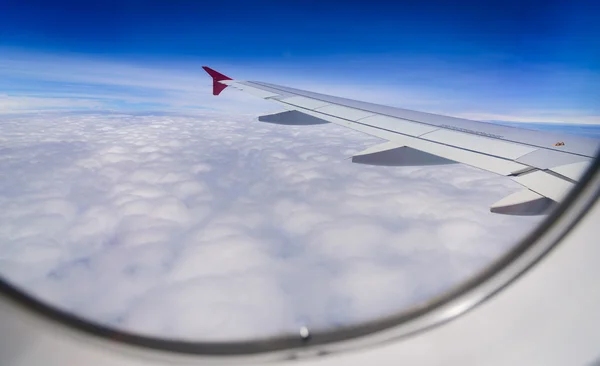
(348, 113)
(546, 184)
(480, 144)
(572, 171)
(546, 159)
(396, 124)
(304, 102)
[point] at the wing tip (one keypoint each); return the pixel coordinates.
(217, 77)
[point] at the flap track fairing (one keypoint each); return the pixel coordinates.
(292, 118)
(394, 154)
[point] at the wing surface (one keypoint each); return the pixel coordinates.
(546, 164)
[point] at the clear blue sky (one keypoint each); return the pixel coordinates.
(531, 56)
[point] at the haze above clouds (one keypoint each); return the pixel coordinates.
(218, 227)
(43, 81)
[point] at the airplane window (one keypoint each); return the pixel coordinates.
(222, 228)
(135, 200)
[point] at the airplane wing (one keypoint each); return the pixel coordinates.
(546, 164)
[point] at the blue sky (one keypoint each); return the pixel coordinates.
(495, 60)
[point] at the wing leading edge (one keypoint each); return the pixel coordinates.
(546, 164)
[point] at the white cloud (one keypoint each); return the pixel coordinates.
(12, 104)
(220, 227)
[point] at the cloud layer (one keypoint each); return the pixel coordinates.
(220, 227)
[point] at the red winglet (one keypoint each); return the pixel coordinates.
(216, 76)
